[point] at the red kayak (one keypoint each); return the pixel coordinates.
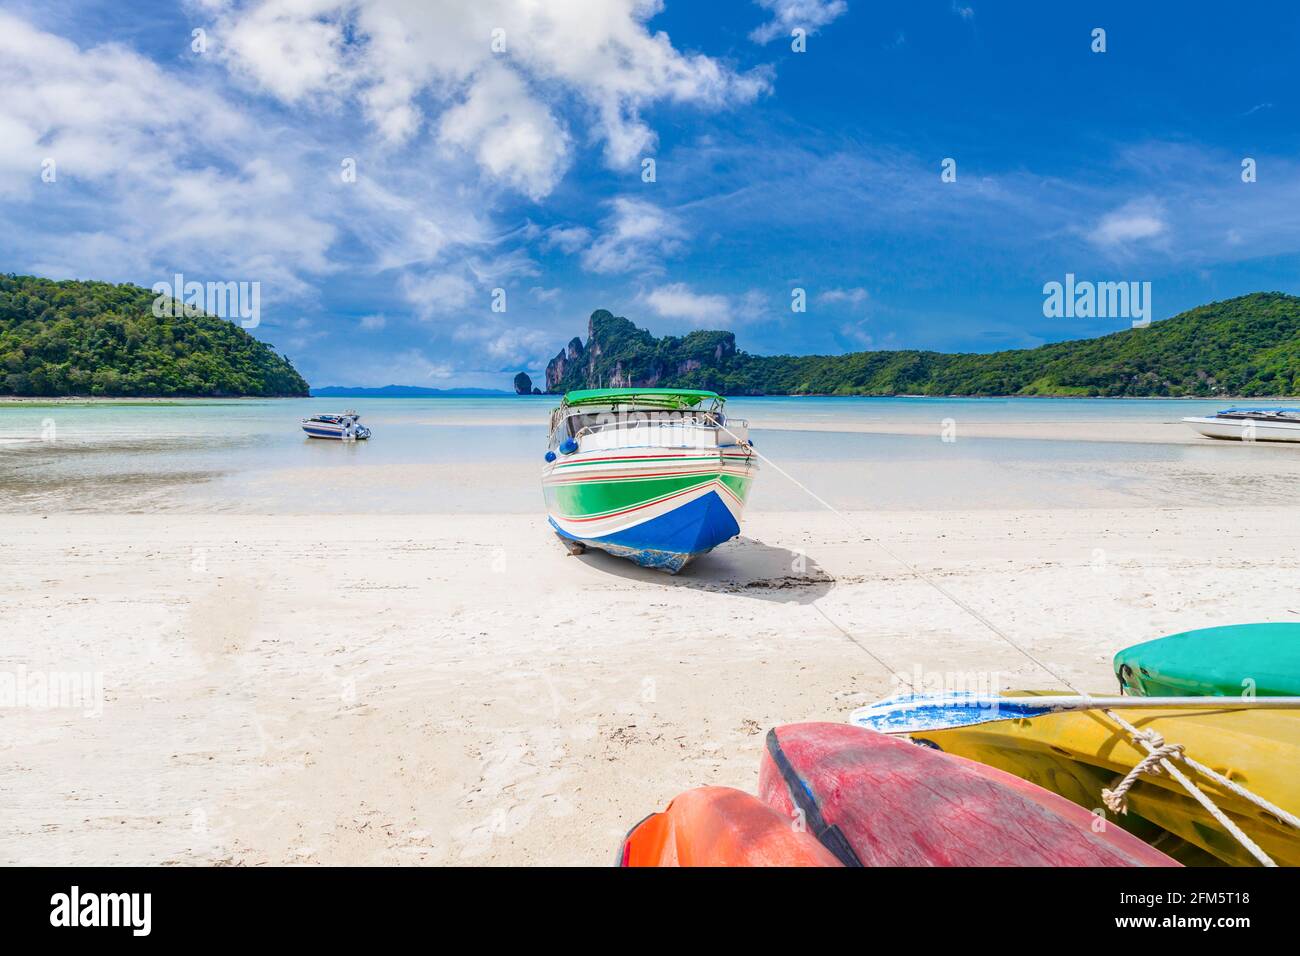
(876, 800)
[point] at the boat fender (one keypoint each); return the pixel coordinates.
(568, 446)
(550, 456)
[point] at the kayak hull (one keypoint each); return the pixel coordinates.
(1259, 660)
(876, 800)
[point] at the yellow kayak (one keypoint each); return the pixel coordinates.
(1078, 754)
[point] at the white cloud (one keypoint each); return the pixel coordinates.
(678, 301)
(568, 239)
(373, 323)
(394, 56)
(507, 345)
(857, 334)
(634, 237)
(811, 15)
(438, 293)
(406, 218)
(752, 305)
(854, 298)
(292, 49)
(965, 11)
(1135, 221)
(514, 137)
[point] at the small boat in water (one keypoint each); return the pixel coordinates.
(345, 426)
(656, 475)
(1250, 424)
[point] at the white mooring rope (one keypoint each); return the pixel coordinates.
(1117, 799)
(1155, 750)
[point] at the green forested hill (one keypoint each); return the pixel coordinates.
(1244, 346)
(95, 338)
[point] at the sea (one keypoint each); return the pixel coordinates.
(484, 455)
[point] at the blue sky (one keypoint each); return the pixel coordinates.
(520, 169)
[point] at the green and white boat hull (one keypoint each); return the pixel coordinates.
(660, 507)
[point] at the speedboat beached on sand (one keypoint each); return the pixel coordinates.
(657, 475)
(1250, 424)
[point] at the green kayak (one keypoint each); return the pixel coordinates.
(1241, 659)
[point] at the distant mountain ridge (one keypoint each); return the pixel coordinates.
(72, 337)
(403, 391)
(1246, 346)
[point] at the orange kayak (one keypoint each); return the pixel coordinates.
(719, 826)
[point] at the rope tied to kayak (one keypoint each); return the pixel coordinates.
(1161, 752)
(1116, 798)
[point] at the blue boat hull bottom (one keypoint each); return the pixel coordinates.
(670, 541)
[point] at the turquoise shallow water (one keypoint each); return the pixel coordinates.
(483, 455)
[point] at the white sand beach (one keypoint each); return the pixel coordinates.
(387, 689)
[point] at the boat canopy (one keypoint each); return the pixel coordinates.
(649, 397)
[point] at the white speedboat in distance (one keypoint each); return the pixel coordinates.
(345, 426)
(1250, 424)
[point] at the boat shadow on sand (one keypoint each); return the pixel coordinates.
(742, 566)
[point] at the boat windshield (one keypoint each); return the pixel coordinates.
(1286, 413)
(581, 422)
(585, 412)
